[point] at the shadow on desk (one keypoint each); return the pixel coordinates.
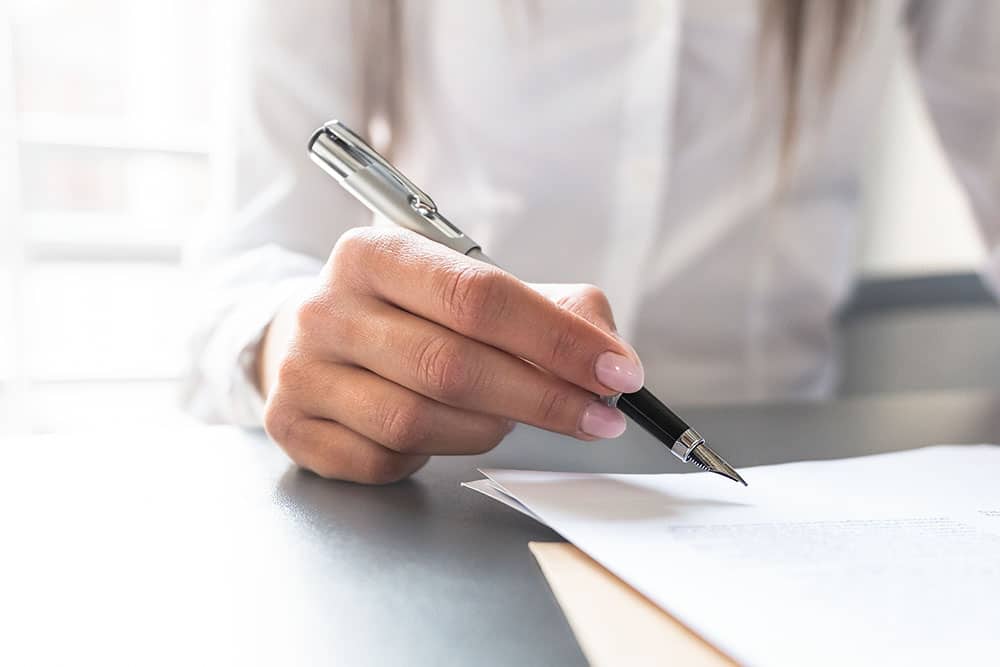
(329, 506)
(396, 512)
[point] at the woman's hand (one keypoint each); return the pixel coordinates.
(408, 349)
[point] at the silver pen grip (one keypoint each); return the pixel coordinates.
(384, 198)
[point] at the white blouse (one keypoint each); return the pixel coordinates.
(633, 145)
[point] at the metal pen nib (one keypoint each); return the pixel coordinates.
(705, 458)
(663, 424)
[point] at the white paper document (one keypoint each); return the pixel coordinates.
(887, 559)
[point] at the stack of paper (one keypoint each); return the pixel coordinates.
(884, 559)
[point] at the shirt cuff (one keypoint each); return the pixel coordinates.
(233, 351)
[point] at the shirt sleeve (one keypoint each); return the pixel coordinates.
(956, 46)
(299, 70)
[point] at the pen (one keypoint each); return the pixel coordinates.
(363, 172)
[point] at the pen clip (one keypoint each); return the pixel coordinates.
(419, 200)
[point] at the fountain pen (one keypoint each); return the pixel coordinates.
(371, 179)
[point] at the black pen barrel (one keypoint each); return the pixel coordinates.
(652, 415)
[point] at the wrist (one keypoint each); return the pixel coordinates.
(274, 345)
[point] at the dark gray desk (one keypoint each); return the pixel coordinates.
(205, 546)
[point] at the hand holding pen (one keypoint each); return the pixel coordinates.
(407, 349)
(417, 344)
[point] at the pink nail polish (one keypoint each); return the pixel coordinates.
(601, 421)
(618, 372)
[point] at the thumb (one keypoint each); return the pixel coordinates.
(587, 301)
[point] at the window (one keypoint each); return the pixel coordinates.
(108, 165)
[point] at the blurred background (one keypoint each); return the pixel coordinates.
(109, 111)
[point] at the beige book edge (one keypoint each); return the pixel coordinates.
(613, 623)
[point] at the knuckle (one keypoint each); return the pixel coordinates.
(351, 251)
(325, 459)
(382, 467)
(292, 376)
(326, 469)
(551, 406)
(565, 346)
(345, 255)
(594, 295)
(312, 313)
(403, 428)
(498, 432)
(442, 369)
(319, 318)
(362, 243)
(342, 328)
(590, 302)
(280, 422)
(476, 297)
(353, 244)
(362, 250)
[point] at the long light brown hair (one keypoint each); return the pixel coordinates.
(789, 25)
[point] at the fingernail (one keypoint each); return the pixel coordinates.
(601, 421)
(618, 372)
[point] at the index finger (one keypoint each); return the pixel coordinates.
(487, 304)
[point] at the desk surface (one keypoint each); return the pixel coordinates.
(207, 546)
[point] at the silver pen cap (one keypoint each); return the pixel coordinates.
(360, 169)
